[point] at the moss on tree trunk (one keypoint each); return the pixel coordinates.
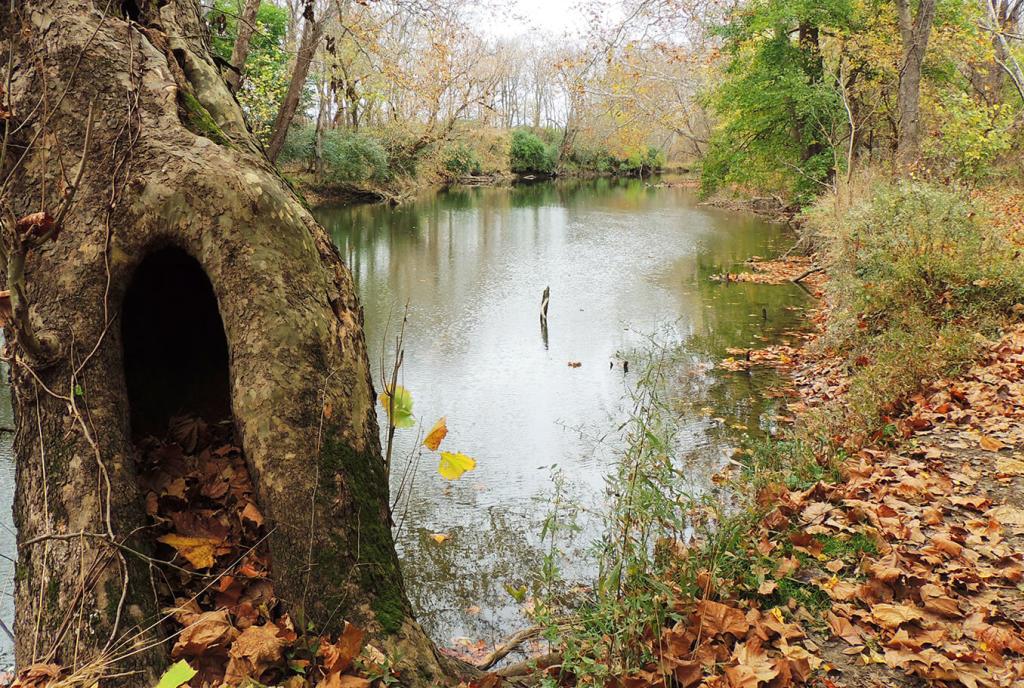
(173, 164)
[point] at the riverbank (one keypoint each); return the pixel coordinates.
(324, 193)
(876, 539)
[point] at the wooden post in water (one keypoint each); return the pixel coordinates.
(544, 300)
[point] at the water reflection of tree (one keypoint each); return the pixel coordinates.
(461, 252)
(448, 581)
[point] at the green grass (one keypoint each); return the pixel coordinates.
(847, 547)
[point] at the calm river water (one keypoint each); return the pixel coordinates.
(625, 261)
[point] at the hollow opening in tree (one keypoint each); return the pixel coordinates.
(175, 351)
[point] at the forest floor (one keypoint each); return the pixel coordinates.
(929, 587)
(902, 564)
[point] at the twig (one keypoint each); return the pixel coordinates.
(509, 646)
(528, 666)
(807, 273)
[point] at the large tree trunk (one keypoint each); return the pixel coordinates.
(172, 165)
(240, 51)
(915, 29)
(312, 32)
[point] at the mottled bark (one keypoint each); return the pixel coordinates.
(915, 29)
(1003, 17)
(172, 163)
(240, 51)
(312, 32)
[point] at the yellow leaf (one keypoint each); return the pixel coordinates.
(439, 537)
(452, 466)
(990, 443)
(437, 433)
(197, 550)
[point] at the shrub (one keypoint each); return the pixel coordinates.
(592, 158)
(528, 154)
(460, 160)
(916, 272)
(643, 161)
(298, 144)
(354, 157)
(973, 134)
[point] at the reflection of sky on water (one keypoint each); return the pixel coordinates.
(623, 261)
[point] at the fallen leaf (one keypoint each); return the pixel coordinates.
(253, 652)
(35, 224)
(209, 633)
(936, 600)
(252, 514)
(439, 537)
(842, 628)
(37, 675)
(6, 311)
(197, 550)
(346, 681)
(716, 617)
(1010, 466)
(180, 672)
(338, 656)
(893, 615)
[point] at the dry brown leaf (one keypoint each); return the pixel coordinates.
(1007, 515)
(344, 681)
(253, 652)
(338, 656)
(36, 676)
(688, 673)
(252, 514)
(752, 656)
(816, 512)
(842, 628)
(6, 312)
(1010, 466)
(209, 634)
(35, 224)
(715, 618)
(935, 599)
(893, 615)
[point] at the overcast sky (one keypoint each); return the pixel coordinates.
(550, 17)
